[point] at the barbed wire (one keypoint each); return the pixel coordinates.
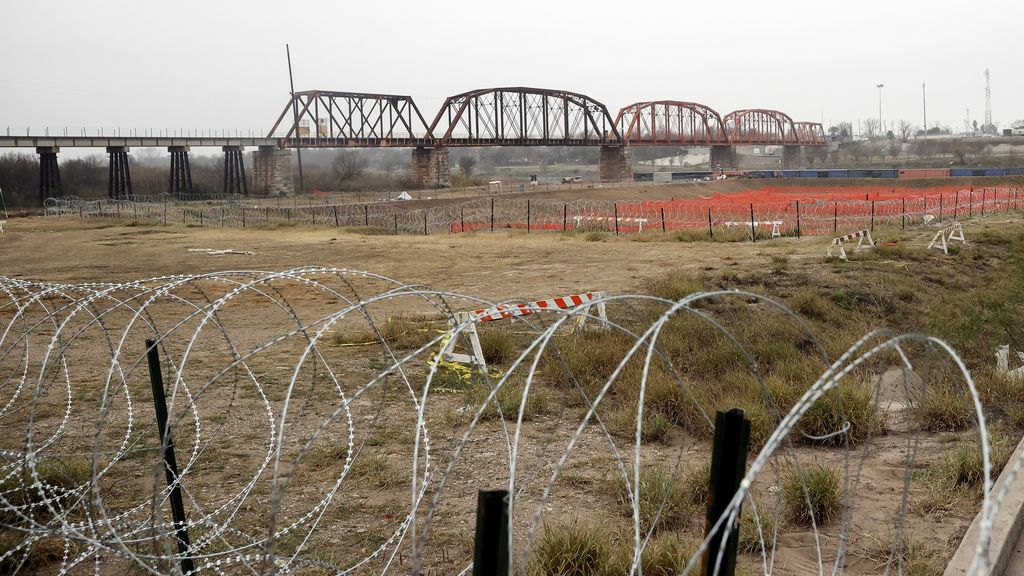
(320, 429)
(722, 215)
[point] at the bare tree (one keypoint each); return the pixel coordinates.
(466, 163)
(894, 148)
(905, 130)
(870, 127)
(347, 165)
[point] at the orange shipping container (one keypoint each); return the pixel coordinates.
(924, 172)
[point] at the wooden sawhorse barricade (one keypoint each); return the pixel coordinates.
(860, 236)
(948, 234)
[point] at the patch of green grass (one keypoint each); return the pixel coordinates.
(849, 404)
(779, 263)
(574, 549)
(750, 540)
(27, 559)
(498, 345)
(368, 230)
(809, 303)
(943, 408)
(667, 555)
(508, 399)
(817, 493)
(674, 286)
(401, 332)
(697, 484)
(663, 502)
(656, 426)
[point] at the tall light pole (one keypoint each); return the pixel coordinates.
(880, 127)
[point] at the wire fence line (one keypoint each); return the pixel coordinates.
(288, 428)
(765, 218)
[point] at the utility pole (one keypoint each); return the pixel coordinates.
(880, 126)
(924, 108)
(295, 110)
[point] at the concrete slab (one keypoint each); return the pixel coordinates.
(1006, 549)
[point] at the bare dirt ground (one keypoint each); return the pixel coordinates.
(496, 266)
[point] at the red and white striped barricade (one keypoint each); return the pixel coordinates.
(860, 236)
(504, 311)
(946, 235)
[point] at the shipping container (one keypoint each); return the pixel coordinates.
(838, 173)
(924, 172)
(961, 172)
(692, 175)
(643, 176)
(1015, 171)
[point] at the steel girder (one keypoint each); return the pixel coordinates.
(523, 117)
(322, 119)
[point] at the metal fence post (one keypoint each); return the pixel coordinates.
(491, 545)
(615, 214)
(424, 222)
(711, 231)
(396, 223)
(565, 216)
(462, 218)
(835, 217)
(797, 218)
(366, 214)
(662, 219)
(903, 215)
(872, 226)
(156, 381)
(753, 231)
(334, 209)
(728, 466)
(527, 215)
(492, 214)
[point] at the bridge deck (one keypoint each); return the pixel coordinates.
(133, 141)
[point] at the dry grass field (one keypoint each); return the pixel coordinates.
(920, 429)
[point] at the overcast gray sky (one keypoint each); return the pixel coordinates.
(206, 64)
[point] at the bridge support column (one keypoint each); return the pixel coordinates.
(272, 171)
(792, 157)
(180, 180)
(615, 164)
(49, 173)
(430, 168)
(119, 177)
(723, 158)
(234, 171)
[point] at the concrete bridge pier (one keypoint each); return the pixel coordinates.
(723, 158)
(272, 171)
(234, 171)
(180, 180)
(49, 173)
(615, 164)
(430, 168)
(792, 157)
(119, 176)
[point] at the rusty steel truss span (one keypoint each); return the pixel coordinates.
(758, 126)
(523, 117)
(670, 123)
(323, 119)
(810, 133)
